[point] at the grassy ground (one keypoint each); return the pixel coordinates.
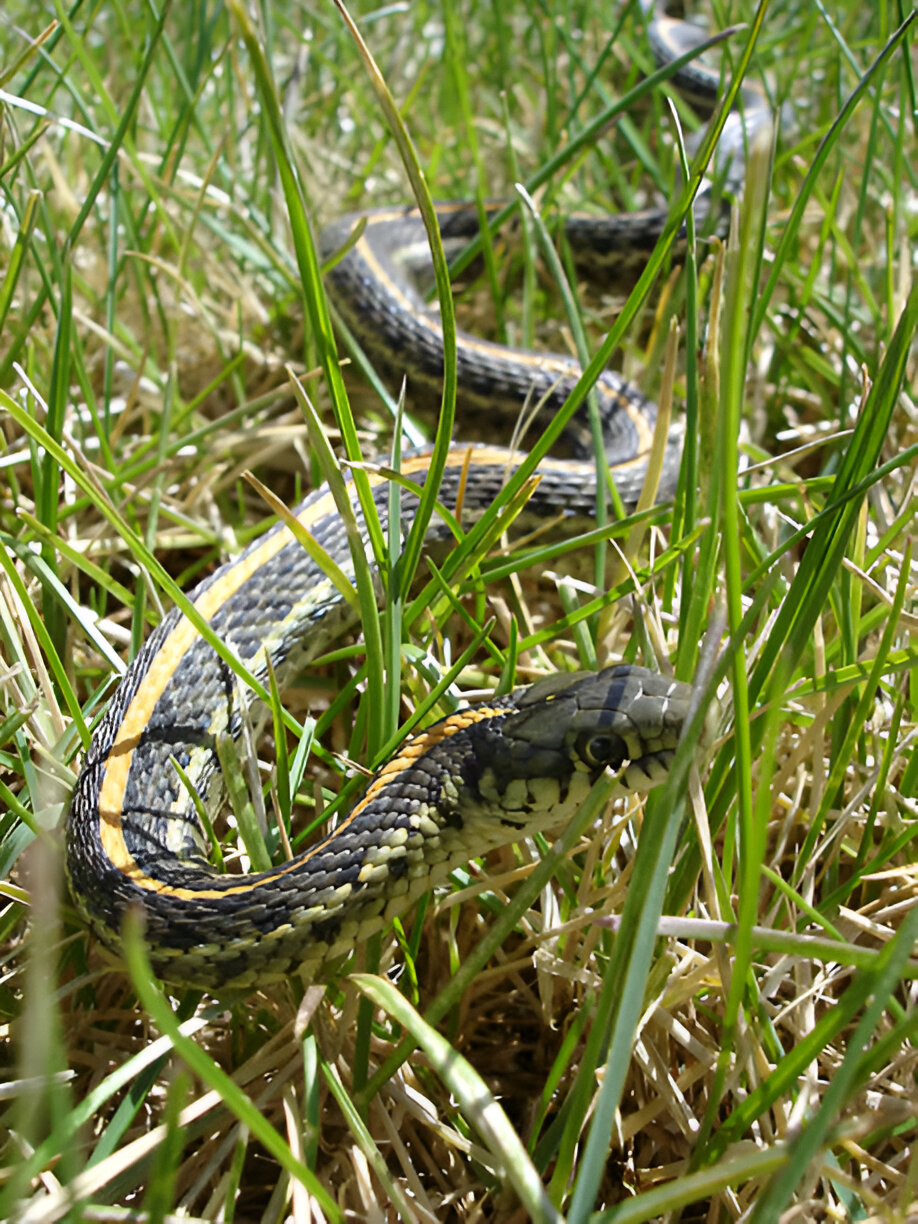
(719, 1024)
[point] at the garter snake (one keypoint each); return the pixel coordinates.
(478, 778)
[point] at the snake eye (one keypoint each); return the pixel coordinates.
(603, 749)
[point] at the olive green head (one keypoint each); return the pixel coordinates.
(561, 733)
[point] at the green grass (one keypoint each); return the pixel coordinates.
(695, 1007)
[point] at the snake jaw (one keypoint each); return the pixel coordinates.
(562, 733)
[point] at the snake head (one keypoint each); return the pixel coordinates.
(561, 733)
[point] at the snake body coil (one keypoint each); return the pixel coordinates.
(478, 778)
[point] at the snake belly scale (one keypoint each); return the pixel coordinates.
(479, 778)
